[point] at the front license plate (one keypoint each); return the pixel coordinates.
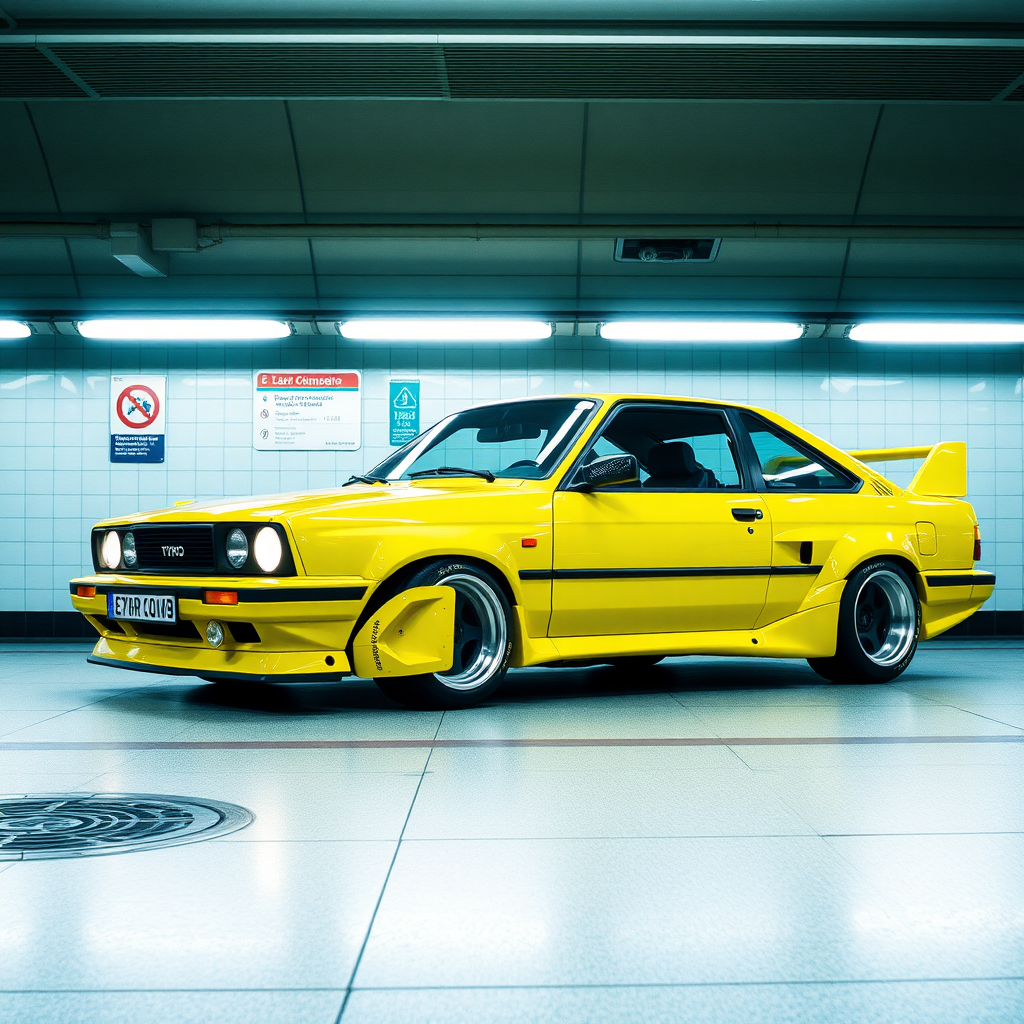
(142, 607)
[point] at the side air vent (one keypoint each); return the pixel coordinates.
(881, 488)
(731, 72)
(544, 70)
(24, 71)
(666, 250)
(216, 69)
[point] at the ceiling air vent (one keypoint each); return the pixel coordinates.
(666, 250)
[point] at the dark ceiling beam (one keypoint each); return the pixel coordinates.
(556, 230)
(533, 36)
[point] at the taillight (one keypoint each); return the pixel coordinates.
(977, 544)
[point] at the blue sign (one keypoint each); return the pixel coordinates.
(136, 447)
(404, 403)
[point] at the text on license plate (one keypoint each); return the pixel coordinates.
(142, 607)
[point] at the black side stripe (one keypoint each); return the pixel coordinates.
(977, 579)
(244, 596)
(673, 571)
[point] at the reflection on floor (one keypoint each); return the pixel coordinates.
(585, 848)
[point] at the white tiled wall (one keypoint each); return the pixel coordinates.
(56, 480)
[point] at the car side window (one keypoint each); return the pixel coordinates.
(677, 448)
(787, 467)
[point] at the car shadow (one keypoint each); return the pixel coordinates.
(684, 675)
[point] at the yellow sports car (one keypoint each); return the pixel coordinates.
(566, 530)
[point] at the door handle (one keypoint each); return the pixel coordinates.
(747, 515)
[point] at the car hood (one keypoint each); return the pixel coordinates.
(356, 499)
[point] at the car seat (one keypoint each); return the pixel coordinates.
(673, 464)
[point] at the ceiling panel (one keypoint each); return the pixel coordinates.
(940, 260)
(21, 256)
(711, 159)
(170, 157)
(431, 157)
(452, 256)
(947, 161)
(285, 256)
(24, 187)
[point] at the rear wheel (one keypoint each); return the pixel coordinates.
(482, 642)
(879, 622)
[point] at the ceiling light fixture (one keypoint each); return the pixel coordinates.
(10, 329)
(915, 332)
(182, 329)
(701, 330)
(444, 329)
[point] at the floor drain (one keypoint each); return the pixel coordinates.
(49, 825)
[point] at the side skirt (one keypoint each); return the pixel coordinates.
(806, 634)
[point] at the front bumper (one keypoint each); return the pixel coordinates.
(295, 630)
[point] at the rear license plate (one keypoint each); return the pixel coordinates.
(142, 607)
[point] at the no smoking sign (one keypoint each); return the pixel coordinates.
(137, 409)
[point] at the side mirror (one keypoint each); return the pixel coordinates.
(608, 471)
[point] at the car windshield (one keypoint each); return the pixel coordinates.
(518, 440)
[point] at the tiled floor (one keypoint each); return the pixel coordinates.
(589, 848)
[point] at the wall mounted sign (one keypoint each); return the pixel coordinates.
(404, 405)
(306, 410)
(138, 406)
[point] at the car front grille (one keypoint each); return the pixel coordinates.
(174, 548)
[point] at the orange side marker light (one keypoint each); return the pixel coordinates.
(529, 542)
(86, 591)
(220, 597)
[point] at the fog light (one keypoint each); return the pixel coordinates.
(214, 633)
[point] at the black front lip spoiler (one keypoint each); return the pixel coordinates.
(245, 596)
(227, 677)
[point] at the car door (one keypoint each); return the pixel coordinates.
(685, 548)
(812, 502)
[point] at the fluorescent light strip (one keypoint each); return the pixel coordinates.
(909, 332)
(701, 330)
(444, 329)
(10, 329)
(182, 329)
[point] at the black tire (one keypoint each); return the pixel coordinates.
(483, 642)
(636, 662)
(879, 622)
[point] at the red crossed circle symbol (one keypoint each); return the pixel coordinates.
(130, 398)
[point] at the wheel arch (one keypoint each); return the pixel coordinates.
(395, 582)
(901, 560)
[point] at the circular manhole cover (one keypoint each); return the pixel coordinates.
(48, 825)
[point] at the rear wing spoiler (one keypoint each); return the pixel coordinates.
(943, 475)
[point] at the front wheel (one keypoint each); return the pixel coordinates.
(879, 622)
(482, 643)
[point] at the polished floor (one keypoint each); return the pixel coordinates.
(714, 841)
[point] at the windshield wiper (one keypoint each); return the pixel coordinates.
(484, 474)
(356, 478)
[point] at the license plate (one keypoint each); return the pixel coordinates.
(142, 607)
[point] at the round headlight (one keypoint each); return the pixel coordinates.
(267, 549)
(128, 549)
(237, 548)
(110, 550)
